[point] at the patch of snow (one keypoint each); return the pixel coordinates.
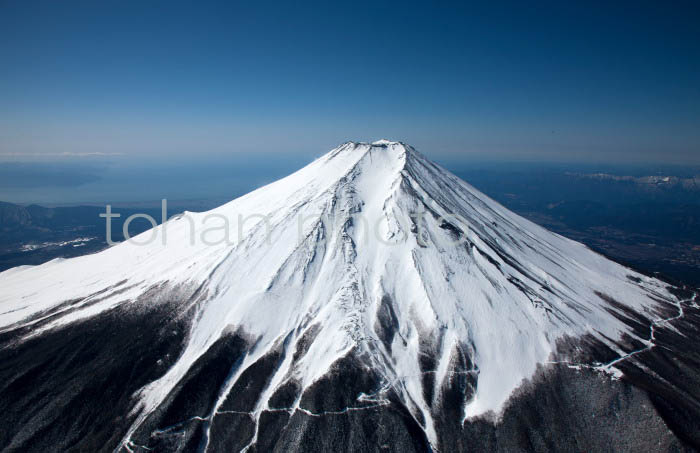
(77, 242)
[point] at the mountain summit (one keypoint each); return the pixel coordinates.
(370, 301)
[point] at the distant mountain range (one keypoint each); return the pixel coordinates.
(648, 182)
(35, 234)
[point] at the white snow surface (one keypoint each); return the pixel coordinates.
(362, 238)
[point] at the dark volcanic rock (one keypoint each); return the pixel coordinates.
(71, 388)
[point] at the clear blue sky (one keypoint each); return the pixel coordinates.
(522, 80)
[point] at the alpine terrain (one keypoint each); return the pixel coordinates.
(371, 301)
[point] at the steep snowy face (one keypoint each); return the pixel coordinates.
(371, 250)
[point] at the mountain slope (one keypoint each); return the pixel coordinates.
(371, 294)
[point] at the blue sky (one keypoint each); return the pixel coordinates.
(581, 81)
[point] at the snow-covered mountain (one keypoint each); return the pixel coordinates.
(370, 301)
